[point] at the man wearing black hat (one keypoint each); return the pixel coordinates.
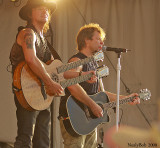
(31, 46)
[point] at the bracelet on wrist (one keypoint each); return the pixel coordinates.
(80, 73)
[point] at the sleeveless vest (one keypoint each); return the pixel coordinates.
(43, 50)
(90, 88)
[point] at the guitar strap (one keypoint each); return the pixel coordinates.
(53, 51)
(62, 118)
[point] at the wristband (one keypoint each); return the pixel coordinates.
(80, 73)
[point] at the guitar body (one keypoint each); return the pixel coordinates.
(31, 92)
(83, 123)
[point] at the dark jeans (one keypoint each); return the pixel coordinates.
(33, 127)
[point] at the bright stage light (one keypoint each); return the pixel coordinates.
(52, 0)
(14, 0)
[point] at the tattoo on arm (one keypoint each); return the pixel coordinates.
(28, 39)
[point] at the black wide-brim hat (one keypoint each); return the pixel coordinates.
(23, 13)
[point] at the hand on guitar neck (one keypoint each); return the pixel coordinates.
(93, 79)
(136, 100)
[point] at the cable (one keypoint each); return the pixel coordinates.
(121, 116)
(127, 89)
(79, 12)
(144, 115)
(8, 68)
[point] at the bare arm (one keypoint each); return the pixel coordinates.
(75, 72)
(79, 93)
(27, 39)
(113, 97)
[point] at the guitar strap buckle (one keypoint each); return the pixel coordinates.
(14, 88)
(62, 118)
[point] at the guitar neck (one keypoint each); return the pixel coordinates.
(76, 80)
(121, 102)
(73, 65)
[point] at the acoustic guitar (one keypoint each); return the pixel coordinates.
(82, 120)
(30, 90)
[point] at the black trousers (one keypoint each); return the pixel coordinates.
(33, 128)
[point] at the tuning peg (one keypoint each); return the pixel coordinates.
(101, 60)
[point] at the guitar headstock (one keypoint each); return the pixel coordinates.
(99, 56)
(103, 71)
(145, 94)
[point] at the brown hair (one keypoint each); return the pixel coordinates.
(86, 32)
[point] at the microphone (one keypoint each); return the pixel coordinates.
(117, 50)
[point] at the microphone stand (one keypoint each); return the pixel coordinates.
(118, 90)
(118, 84)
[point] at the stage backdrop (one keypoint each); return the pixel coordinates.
(131, 24)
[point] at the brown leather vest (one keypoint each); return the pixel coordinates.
(43, 51)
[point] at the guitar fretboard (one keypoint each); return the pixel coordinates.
(121, 102)
(76, 80)
(73, 65)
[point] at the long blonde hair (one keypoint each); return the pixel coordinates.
(46, 26)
